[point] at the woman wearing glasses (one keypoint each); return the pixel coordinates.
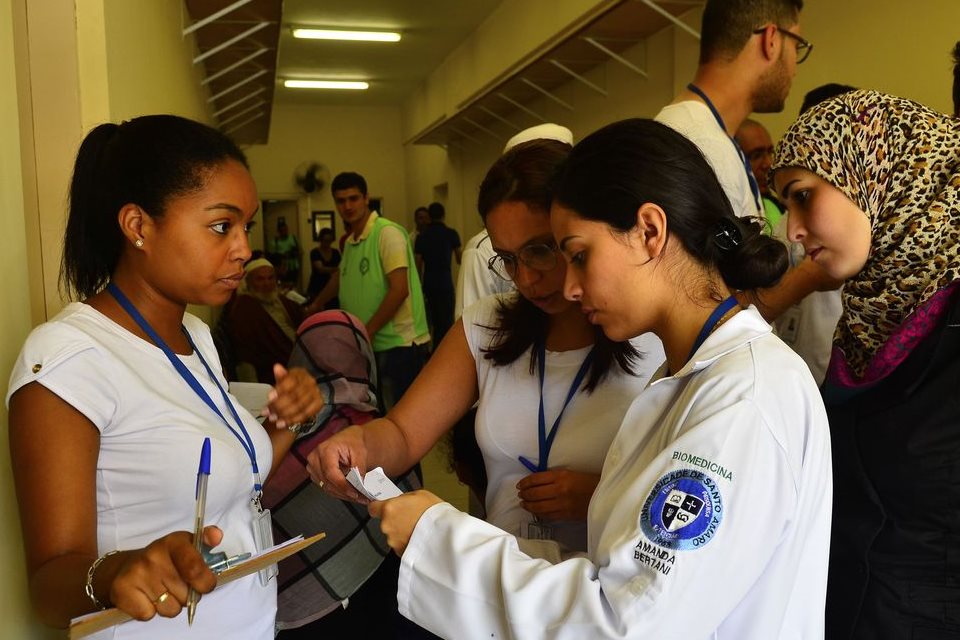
(712, 515)
(551, 389)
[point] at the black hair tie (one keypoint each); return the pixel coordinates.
(727, 235)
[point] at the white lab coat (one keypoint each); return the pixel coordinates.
(742, 431)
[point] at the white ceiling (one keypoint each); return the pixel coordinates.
(430, 30)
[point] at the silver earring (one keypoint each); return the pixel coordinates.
(139, 243)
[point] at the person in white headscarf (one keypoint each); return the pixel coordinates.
(475, 280)
(261, 323)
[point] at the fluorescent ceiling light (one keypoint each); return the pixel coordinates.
(334, 34)
(325, 84)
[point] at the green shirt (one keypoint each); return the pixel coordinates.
(363, 283)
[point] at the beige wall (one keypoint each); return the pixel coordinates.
(88, 62)
(149, 64)
(893, 46)
(65, 66)
(362, 139)
(15, 322)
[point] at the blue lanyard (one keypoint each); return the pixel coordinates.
(245, 440)
(711, 323)
(754, 187)
(545, 439)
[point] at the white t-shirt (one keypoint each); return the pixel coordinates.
(152, 427)
(711, 519)
(507, 419)
(695, 121)
(475, 280)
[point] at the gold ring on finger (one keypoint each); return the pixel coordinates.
(163, 598)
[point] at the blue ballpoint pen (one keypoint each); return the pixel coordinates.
(203, 473)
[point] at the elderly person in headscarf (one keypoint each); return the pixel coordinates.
(353, 561)
(872, 188)
(261, 323)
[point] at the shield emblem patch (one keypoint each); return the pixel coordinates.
(680, 509)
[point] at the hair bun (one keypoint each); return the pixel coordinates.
(747, 257)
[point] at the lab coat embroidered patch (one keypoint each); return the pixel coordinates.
(683, 511)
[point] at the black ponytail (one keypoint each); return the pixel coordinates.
(145, 161)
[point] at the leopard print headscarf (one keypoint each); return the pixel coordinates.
(898, 161)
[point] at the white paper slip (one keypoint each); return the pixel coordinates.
(252, 396)
(375, 486)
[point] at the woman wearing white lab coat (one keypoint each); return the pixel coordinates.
(712, 515)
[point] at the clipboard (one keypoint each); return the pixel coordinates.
(86, 625)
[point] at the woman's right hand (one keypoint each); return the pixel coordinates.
(329, 463)
(155, 580)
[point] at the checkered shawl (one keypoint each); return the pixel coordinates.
(334, 347)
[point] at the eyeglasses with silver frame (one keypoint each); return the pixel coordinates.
(538, 256)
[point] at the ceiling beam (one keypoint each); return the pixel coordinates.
(576, 76)
(496, 115)
(537, 87)
(237, 85)
(240, 101)
(521, 107)
(672, 18)
(214, 16)
(238, 63)
(232, 41)
(616, 56)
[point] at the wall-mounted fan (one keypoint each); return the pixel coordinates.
(311, 177)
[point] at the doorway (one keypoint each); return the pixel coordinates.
(282, 244)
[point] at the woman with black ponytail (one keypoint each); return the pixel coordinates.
(116, 400)
(712, 515)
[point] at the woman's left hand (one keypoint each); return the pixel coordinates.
(399, 516)
(558, 494)
(295, 397)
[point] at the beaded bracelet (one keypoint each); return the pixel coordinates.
(90, 571)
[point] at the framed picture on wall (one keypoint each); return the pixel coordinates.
(321, 220)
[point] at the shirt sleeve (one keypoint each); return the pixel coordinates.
(461, 577)
(473, 281)
(66, 363)
(393, 249)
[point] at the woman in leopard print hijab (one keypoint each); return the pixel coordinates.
(872, 187)
(898, 162)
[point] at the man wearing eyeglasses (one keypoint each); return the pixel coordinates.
(754, 140)
(749, 52)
